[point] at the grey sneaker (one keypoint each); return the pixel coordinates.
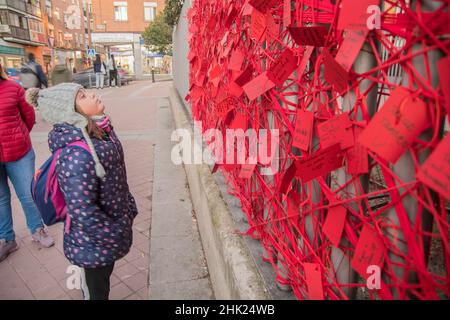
(41, 237)
(6, 247)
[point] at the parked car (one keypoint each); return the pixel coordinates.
(86, 77)
(13, 74)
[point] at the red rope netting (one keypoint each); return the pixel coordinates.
(360, 100)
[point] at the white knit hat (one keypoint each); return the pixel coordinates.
(57, 105)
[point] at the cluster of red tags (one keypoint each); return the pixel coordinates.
(359, 94)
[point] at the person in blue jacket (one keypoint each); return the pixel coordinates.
(100, 206)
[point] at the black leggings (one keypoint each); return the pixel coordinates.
(97, 282)
(113, 75)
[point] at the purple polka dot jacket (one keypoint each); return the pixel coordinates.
(101, 211)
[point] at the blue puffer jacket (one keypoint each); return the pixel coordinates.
(101, 211)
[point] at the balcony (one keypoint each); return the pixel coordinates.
(22, 6)
(20, 33)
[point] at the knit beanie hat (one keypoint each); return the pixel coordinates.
(57, 105)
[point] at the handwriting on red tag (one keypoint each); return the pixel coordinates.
(357, 156)
(246, 171)
(258, 86)
(320, 163)
(443, 66)
(236, 59)
(350, 47)
(245, 76)
(353, 14)
(435, 172)
(258, 26)
(306, 55)
(313, 278)
(263, 5)
(336, 130)
(310, 36)
(282, 68)
(369, 251)
(286, 13)
(334, 224)
(303, 129)
(335, 74)
(272, 27)
(393, 129)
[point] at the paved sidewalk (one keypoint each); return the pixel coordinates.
(34, 273)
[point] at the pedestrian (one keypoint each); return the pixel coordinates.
(100, 71)
(61, 74)
(100, 206)
(112, 71)
(17, 158)
(31, 74)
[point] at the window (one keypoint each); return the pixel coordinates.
(120, 11)
(48, 8)
(149, 11)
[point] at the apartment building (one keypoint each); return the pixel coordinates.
(21, 31)
(117, 28)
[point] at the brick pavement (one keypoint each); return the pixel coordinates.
(35, 273)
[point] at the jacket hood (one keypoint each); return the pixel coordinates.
(62, 135)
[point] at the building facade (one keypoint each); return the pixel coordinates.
(117, 28)
(21, 31)
(56, 31)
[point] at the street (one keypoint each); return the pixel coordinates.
(35, 273)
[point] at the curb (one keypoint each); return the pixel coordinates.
(233, 272)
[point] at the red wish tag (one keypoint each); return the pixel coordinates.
(245, 76)
(435, 172)
(369, 251)
(334, 224)
(353, 14)
(335, 74)
(306, 55)
(235, 90)
(393, 128)
(272, 27)
(287, 178)
(350, 47)
(320, 163)
(357, 156)
(303, 129)
(313, 278)
(247, 171)
(282, 68)
(236, 59)
(336, 130)
(443, 67)
(239, 121)
(215, 72)
(258, 26)
(258, 86)
(263, 5)
(310, 36)
(232, 14)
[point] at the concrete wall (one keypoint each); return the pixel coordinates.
(180, 52)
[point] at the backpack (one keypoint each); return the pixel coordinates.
(29, 77)
(46, 193)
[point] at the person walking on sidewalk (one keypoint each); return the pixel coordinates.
(112, 71)
(31, 74)
(100, 206)
(100, 71)
(17, 158)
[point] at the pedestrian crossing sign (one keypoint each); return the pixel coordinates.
(90, 52)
